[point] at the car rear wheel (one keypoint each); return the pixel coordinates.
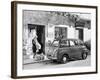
(84, 55)
(64, 59)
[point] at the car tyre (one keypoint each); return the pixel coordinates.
(84, 55)
(64, 59)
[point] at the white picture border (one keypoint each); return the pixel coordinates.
(31, 72)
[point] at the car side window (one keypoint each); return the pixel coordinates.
(76, 42)
(67, 43)
(64, 43)
(72, 43)
(80, 42)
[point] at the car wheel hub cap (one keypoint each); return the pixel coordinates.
(64, 59)
(84, 55)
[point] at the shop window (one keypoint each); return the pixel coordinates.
(60, 32)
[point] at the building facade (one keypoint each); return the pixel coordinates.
(52, 25)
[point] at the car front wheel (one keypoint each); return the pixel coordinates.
(64, 59)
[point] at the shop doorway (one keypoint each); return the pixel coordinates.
(80, 34)
(40, 31)
(60, 32)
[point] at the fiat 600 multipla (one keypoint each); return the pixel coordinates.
(64, 50)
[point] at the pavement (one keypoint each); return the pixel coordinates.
(28, 60)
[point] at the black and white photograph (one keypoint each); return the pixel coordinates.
(55, 39)
(51, 38)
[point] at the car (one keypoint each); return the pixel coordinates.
(64, 50)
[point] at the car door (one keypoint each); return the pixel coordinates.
(74, 53)
(64, 47)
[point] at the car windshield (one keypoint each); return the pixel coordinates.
(55, 43)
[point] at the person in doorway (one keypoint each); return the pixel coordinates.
(36, 45)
